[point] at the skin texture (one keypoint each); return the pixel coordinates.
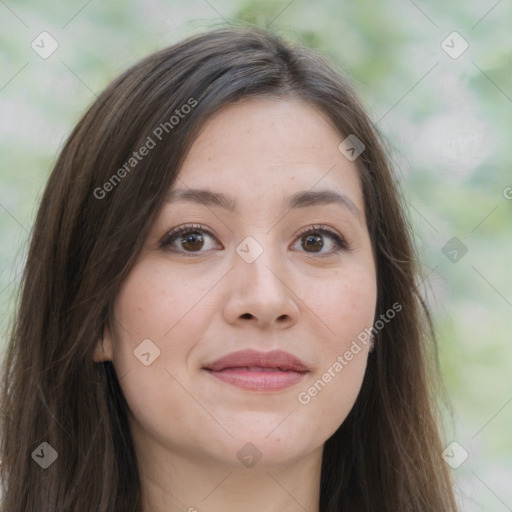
(187, 425)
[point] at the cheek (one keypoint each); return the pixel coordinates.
(327, 399)
(153, 302)
(156, 323)
(346, 307)
(345, 304)
(156, 326)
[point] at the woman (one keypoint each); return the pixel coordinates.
(219, 309)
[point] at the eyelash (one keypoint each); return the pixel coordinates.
(340, 243)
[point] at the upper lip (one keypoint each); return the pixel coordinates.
(247, 358)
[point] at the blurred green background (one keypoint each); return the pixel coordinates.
(445, 110)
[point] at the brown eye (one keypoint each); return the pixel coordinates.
(322, 241)
(189, 239)
(192, 241)
(313, 242)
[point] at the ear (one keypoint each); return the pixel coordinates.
(103, 350)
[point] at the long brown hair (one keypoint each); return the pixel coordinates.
(91, 224)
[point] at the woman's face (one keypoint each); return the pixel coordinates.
(276, 265)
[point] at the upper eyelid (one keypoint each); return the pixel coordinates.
(199, 227)
(320, 227)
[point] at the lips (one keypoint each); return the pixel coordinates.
(252, 359)
(258, 371)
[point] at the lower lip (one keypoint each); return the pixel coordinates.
(258, 380)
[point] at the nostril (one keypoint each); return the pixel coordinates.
(246, 315)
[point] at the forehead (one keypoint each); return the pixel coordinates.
(269, 147)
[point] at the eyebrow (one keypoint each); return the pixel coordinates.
(302, 199)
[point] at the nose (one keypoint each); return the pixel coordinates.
(260, 293)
